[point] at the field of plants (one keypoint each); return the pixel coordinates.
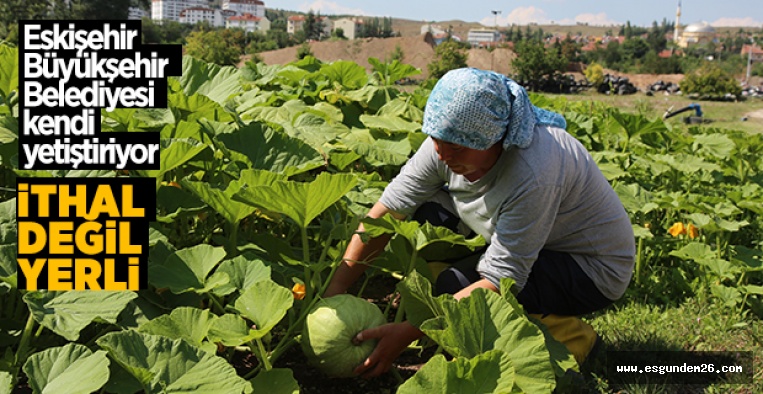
(265, 173)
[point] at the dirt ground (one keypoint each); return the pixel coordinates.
(758, 115)
(416, 52)
(419, 53)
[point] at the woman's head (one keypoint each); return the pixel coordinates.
(470, 108)
(477, 109)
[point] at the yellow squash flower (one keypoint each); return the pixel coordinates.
(298, 291)
(677, 229)
(692, 231)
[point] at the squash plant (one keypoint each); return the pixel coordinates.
(266, 171)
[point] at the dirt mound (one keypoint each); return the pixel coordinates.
(417, 51)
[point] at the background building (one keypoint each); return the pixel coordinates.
(242, 7)
(483, 37)
(351, 27)
(249, 22)
(169, 10)
(696, 33)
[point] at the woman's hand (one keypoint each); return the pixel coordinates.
(393, 339)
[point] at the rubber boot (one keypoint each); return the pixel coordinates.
(577, 335)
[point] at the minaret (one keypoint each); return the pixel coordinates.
(678, 22)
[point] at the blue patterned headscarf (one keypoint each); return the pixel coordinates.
(476, 108)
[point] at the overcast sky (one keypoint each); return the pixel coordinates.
(567, 12)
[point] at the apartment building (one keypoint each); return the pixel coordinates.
(249, 23)
(243, 7)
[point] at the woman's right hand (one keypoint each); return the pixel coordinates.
(393, 339)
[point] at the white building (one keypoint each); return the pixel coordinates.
(242, 7)
(697, 33)
(351, 28)
(296, 23)
(169, 10)
(436, 30)
(136, 13)
(483, 37)
(250, 23)
(215, 17)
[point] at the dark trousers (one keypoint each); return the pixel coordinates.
(556, 285)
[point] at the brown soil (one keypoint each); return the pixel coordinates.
(419, 52)
(416, 52)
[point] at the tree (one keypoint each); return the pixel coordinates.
(594, 73)
(535, 66)
(13, 10)
(653, 64)
(570, 49)
(93, 9)
(635, 48)
(212, 47)
(304, 51)
(338, 33)
(710, 80)
(397, 54)
(449, 55)
(313, 26)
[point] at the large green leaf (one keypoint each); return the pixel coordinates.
(163, 365)
(316, 129)
(191, 324)
(172, 202)
(231, 330)
(71, 368)
(196, 107)
(8, 222)
(694, 251)
(489, 372)
(301, 201)
(220, 199)
(715, 144)
(8, 242)
(389, 123)
(272, 150)
(686, 163)
(9, 73)
(378, 151)
(635, 198)
(485, 321)
(67, 313)
(188, 270)
(419, 236)
(243, 271)
(420, 305)
(389, 73)
(6, 382)
(173, 154)
(403, 107)
(265, 303)
(280, 115)
(347, 74)
(716, 224)
(635, 124)
(216, 82)
(276, 381)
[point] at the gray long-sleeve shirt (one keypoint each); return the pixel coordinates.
(550, 195)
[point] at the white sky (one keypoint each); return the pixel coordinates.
(567, 12)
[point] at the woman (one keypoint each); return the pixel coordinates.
(516, 177)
